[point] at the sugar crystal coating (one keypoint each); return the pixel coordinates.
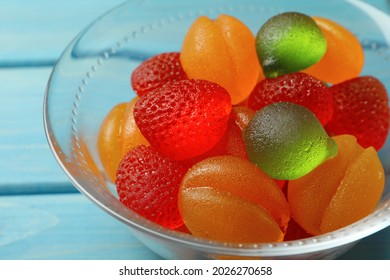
(361, 109)
(299, 88)
(148, 183)
(184, 119)
(156, 71)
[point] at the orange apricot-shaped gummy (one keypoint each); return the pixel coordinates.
(222, 51)
(229, 199)
(339, 192)
(109, 142)
(131, 136)
(344, 57)
(83, 157)
(118, 134)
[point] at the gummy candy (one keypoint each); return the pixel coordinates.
(353, 189)
(222, 51)
(131, 136)
(232, 218)
(156, 71)
(229, 199)
(242, 115)
(183, 119)
(148, 183)
(117, 135)
(299, 88)
(234, 144)
(344, 57)
(289, 42)
(287, 141)
(228, 142)
(109, 140)
(361, 109)
(231, 143)
(295, 231)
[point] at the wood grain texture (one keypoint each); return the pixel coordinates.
(27, 164)
(34, 33)
(54, 221)
(63, 226)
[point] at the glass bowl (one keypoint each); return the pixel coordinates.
(92, 75)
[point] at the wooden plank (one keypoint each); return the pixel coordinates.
(36, 32)
(66, 226)
(26, 164)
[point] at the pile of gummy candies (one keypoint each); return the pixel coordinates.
(243, 138)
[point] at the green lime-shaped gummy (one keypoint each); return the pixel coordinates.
(287, 141)
(289, 42)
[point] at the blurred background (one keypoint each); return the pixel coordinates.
(42, 216)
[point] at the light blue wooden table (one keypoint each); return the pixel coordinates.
(42, 216)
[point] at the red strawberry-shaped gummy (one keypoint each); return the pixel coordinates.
(299, 88)
(361, 109)
(295, 231)
(156, 71)
(148, 183)
(184, 119)
(231, 143)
